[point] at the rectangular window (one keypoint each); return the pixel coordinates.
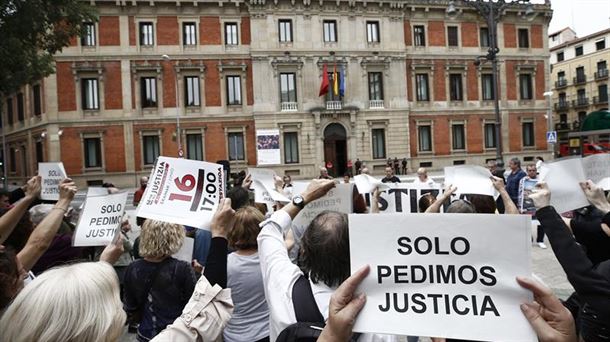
(194, 147)
(419, 35)
(490, 135)
(288, 90)
(236, 146)
(457, 137)
(580, 74)
(151, 149)
(455, 87)
(424, 134)
(291, 148)
(330, 31)
(39, 152)
(147, 35)
(89, 94)
(93, 152)
(233, 90)
(524, 38)
(375, 86)
(231, 34)
(378, 135)
(192, 96)
(285, 30)
(484, 36)
(600, 44)
(452, 36)
(372, 32)
(9, 110)
(528, 134)
(13, 160)
(561, 76)
(563, 118)
(88, 35)
(578, 51)
(189, 34)
(602, 92)
(487, 84)
(148, 92)
(581, 95)
(560, 56)
(37, 100)
(421, 86)
(20, 107)
(601, 66)
(525, 86)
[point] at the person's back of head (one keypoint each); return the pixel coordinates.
(11, 281)
(246, 228)
(160, 239)
(18, 238)
(239, 197)
(325, 249)
(461, 206)
(425, 201)
(79, 302)
(483, 204)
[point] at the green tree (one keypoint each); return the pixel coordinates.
(31, 32)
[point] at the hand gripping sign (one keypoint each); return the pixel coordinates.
(100, 219)
(183, 191)
(52, 174)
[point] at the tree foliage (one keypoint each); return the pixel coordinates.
(31, 32)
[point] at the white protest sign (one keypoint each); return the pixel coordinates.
(366, 183)
(266, 179)
(563, 177)
(597, 169)
(186, 251)
(261, 195)
(470, 179)
(338, 199)
(100, 220)
(52, 174)
(97, 191)
(183, 191)
(443, 275)
(403, 197)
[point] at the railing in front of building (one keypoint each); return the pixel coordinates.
(376, 104)
(580, 102)
(561, 83)
(562, 105)
(601, 74)
(334, 105)
(602, 99)
(580, 79)
(289, 106)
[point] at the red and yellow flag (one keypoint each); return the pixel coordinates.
(335, 81)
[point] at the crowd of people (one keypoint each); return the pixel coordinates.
(243, 285)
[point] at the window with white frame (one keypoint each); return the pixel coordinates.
(192, 95)
(372, 32)
(375, 86)
(288, 90)
(236, 146)
(189, 33)
(487, 87)
(148, 92)
(194, 146)
(578, 51)
(88, 34)
(233, 90)
(528, 133)
(600, 44)
(285, 30)
(93, 152)
(424, 137)
(484, 37)
(291, 147)
(524, 38)
(378, 137)
(458, 138)
(151, 148)
(89, 94)
(455, 87)
(421, 87)
(330, 31)
(419, 35)
(525, 86)
(231, 37)
(147, 35)
(490, 135)
(452, 36)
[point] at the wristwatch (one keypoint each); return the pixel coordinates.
(299, 201)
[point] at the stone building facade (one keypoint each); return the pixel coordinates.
(410, 90)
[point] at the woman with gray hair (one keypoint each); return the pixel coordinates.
(157, 287)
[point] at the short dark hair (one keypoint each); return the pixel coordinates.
(483, 204)
(425, 201)
(325, 249)
(516, 161)
(9, 273)
(239, 197)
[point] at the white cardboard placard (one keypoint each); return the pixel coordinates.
(366, 183)
(186, 251)
(52, 174)
(100, 220)
(563, 177)
(266, 183)
(465, 263)
(470, 179)
(183, 191)
(597, 169)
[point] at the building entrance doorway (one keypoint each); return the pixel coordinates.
(335, 149)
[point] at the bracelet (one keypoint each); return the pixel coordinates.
(65, 210)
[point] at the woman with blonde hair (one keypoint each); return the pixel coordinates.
(157, 287)
(250, 321)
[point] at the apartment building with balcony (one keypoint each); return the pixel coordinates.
(580, 78)
(231, 67)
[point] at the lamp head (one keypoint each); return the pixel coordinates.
(451, 10)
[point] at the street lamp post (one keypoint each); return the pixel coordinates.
(178, 134)
(492, 11)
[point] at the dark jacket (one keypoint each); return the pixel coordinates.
(512, 185)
